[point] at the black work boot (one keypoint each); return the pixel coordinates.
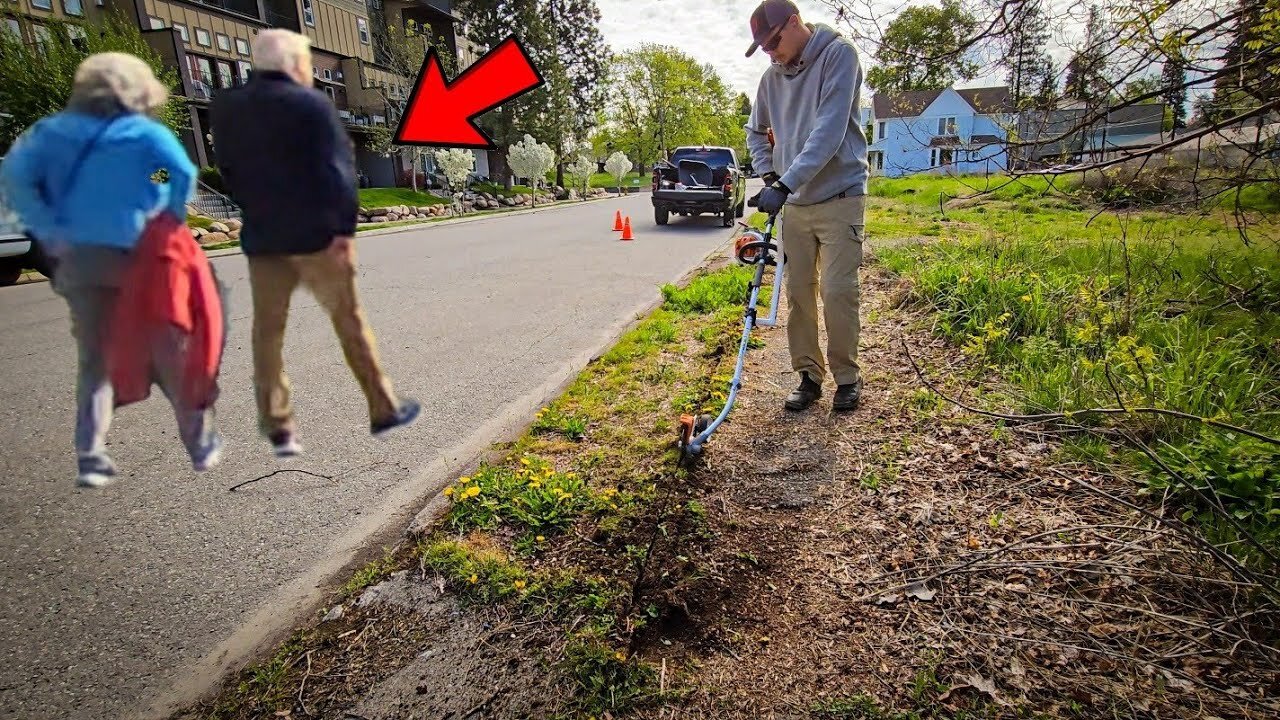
(803, 396)
(846, 397)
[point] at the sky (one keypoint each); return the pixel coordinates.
(711, 31)
(718, 32)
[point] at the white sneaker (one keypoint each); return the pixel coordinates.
(212, 458)
(94, 480)
(286, 446)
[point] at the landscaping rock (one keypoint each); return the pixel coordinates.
(393, 216)
(509, 202)
(234, 224)
(197, 233)
(215, 238)
(425, 209)
(234, 234)
(219, 228)
(378, 219)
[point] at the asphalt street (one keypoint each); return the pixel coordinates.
(116, 601)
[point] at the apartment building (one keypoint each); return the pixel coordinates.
(209, 43)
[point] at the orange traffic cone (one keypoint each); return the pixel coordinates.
(617, 221)
(626, 229)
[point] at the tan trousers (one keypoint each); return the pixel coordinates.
(331, 279)
(824, 240)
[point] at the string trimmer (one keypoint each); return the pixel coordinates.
(755, 248)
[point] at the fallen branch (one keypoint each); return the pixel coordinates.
(233, 488)
(1067, 415)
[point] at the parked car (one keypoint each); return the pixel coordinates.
(698, 180)
(18, 250)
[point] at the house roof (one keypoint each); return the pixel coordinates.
(903, 104)
(913, 102)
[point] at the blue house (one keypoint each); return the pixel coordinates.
(944, 131)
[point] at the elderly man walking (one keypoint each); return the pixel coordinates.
(287, 162)
(817, 168)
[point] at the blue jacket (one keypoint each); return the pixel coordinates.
(112, 196)
(288, 162)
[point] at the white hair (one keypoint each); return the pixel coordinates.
(280, 50)
(106, 83)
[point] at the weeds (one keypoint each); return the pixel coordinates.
(1142, 314)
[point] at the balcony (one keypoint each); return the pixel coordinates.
(246, 8)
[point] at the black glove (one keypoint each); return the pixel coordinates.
(773, 198)
(770, 177)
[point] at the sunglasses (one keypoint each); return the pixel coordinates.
(772, 43)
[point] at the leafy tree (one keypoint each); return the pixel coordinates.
(1173, 79)
(1140, 86)
(744, 105)
(921, 49)
(36, 80)
(457, 165)
(489, 23)
(660, 98)
(1087, 70)
(1025, 56)
(575, 74)
(581, 170)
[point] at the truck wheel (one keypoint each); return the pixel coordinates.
(10, 270)
(660, 215)
(727, 217)
(742, 208)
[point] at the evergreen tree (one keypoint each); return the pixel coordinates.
(1025, 57)
(1173, 79)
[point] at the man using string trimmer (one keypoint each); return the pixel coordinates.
(817, 167)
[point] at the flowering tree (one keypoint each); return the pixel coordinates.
(456, 164)
(581, 171)
(618, 165)
(532, 159)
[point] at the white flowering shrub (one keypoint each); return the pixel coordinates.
(456, 164)
(581, 170)
(618, 165)
(531, 159)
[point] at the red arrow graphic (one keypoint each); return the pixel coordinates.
(441, 113)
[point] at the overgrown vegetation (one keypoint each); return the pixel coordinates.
(1126, 311)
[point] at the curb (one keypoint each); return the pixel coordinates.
(429, 517)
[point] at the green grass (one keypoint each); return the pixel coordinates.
(1143, 310)
(385, 197)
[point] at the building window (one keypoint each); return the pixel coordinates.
(308, 15)
(328, 90)
(41, 34)
(244, 68)
(880, 129)
(328, 74)
(155, 22)
(13, 26)
(242, 46)
(42, 4)
(224, 43)
(947, 126)
(939, 156)
(876, 159)
(202, 37)
(226, 78)
(182, 32)
(363, 26)
(73, 7)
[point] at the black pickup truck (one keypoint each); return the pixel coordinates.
(697, 180)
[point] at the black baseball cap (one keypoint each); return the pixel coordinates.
(769, 16)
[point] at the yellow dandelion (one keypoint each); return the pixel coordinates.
(519, 584)
(524, 461)
(473, 491)
(535, 484)
(540, 538)
(1025, 298)
(622, 657)
(474, 578)
(448, 491)
(464, 479)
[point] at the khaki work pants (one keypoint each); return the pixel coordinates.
(824, 242)
(331, 279)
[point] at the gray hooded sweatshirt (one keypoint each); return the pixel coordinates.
(820, 149)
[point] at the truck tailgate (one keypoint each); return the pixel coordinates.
(690, 197)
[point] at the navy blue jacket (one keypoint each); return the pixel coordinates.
(287, 161)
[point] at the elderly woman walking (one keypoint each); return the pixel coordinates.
(87, 182)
